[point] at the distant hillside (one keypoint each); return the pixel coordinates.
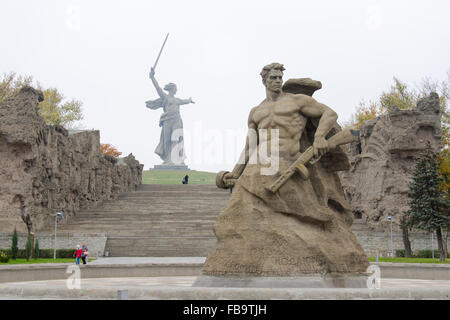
(175, 177)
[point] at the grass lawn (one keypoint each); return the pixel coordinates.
(409, 260)
(49, 260)
(175, 177)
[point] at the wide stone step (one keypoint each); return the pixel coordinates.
(144, 211)
(136, 224)
(139, 220)
(160, 246)
(154, 206)
(171, 193)
(143, 214)
(110, 228)
(174, 233)
(166, 202)
(162, 204)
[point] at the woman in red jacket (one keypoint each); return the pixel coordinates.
(77, 254)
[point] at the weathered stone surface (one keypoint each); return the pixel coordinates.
(381, 165)
(292, 234)
(302, 85)
(307, 281)
(44, 168)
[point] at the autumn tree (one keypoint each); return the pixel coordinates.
(107, 149)
(54, 109)
(10, 84)
(364, 112)
(399, 96)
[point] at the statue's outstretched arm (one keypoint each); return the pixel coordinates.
(155, 83)
(185, 101)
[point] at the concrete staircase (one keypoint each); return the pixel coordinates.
(160, 221)
(156, 221)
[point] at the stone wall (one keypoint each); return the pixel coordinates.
(373, 241)
(95, 242)
(45, 168)
(382, 164)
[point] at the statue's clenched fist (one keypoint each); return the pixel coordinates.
(225, 180)
(152, 73)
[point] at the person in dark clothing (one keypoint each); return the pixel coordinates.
(84, 252)
(185, 179)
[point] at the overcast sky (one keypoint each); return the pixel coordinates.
(100, 52)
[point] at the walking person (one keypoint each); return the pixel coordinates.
(77, 254)
(84, 252)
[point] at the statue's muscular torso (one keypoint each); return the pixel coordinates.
(285, 115)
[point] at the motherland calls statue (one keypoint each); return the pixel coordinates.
(171, 144)
(289, 226)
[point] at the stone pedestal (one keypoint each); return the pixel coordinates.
(307, 281)
(171, 167)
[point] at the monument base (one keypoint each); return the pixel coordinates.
(170, 167)
(312, 281)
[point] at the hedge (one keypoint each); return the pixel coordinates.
(43, 253)
(418, 254)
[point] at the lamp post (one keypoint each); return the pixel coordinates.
(392, 242)
(58, 215)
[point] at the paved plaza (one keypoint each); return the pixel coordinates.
(163, 286)
(144, 287)
(187, 281)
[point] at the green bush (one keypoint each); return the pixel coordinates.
(28, 248)
(400, 253)
(36, 249)
(418, 254)
(427, 254)
(14, 247)
(60, 253)
(63, 253)
(3, 257)
(44, 253)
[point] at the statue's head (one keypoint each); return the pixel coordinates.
(171, 88)
(272, 76)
